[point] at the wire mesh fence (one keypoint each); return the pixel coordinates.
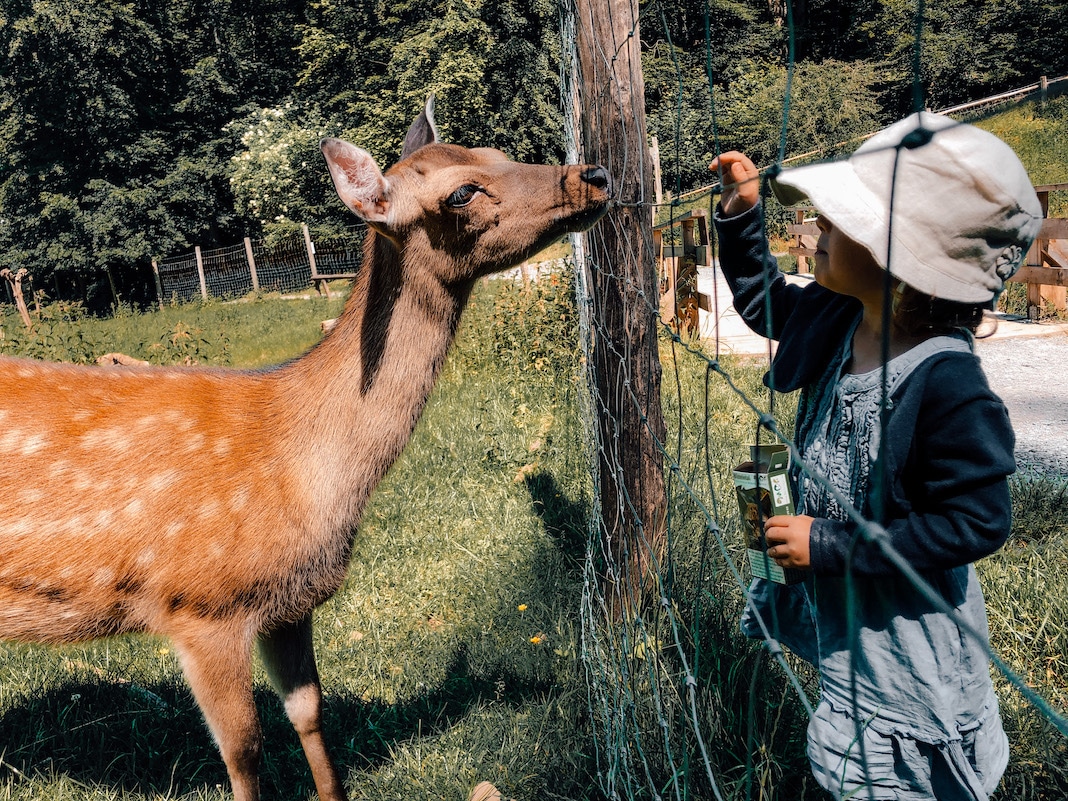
(286, 264)
(683, 706)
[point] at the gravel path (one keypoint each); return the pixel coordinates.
(1030, 373)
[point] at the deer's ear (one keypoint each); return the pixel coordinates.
(424, 130)
(359, 183)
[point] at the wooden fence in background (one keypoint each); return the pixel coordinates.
(286, 265)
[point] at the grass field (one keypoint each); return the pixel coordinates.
(451, 654)
(448, 657)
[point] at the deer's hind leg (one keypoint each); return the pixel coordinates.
(289, 658)
(217, 662)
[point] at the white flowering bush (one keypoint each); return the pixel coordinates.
(277, 175)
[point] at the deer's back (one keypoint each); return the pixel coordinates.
(134, 498)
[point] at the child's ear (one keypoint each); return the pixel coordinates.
(358, 180)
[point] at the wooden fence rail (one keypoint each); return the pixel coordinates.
(680, 301)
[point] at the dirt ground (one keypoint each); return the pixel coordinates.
(1026, 365)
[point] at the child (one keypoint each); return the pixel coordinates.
(907, 707)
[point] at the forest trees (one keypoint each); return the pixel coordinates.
(859, 64)
(136, 128)
(112, 130)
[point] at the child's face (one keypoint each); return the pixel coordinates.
(845, 266)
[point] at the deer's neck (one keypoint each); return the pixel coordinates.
(362, 390)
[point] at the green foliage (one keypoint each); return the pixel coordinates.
(370, 68)
(57, 335)
(678, 113)
(967, 51)
(965, 45)
(257, 333)
(111, 125)
(1037, 132)
(530, 328)
(831, 105)
(1026, 586)
(186, 345)
(135, 130)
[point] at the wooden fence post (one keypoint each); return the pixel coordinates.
(252, 265)
(14, 279)
(159, 284)
(320, 283)
(200, 272)
(623, 280)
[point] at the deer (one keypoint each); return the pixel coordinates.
(184, 501)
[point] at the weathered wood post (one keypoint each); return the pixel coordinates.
(321, 284)
(622, 275)
(159, 283)
(200, 273)
(14, 280)
(252, 265)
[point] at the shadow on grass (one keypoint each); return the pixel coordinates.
(152, 739)
(565, 520)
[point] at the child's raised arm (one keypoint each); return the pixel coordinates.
(741, 182)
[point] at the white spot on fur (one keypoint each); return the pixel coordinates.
(178, 421)
(147, 424)
(222, 447)
(113, 439)
(194, 443)
(20, 527)
(240, 499)
(83, 481)
(209, 509)
(11, 441)
(134, 508)
(33, 444)
(160, 481)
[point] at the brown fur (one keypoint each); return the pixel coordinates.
(218, 507)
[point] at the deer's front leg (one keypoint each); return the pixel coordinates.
(217, 662)
(289, 658)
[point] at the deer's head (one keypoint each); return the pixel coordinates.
(473, 211)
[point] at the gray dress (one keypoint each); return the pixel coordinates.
(905, 693)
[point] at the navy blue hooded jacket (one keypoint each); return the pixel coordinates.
(948, 441)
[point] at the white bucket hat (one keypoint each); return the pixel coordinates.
(964, 210)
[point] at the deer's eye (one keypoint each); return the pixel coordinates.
(462, 196)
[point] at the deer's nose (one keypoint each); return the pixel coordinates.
(598, 177)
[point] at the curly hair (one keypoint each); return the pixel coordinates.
(916, 313)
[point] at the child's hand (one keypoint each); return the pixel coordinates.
(741, 182)
(788, 540)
